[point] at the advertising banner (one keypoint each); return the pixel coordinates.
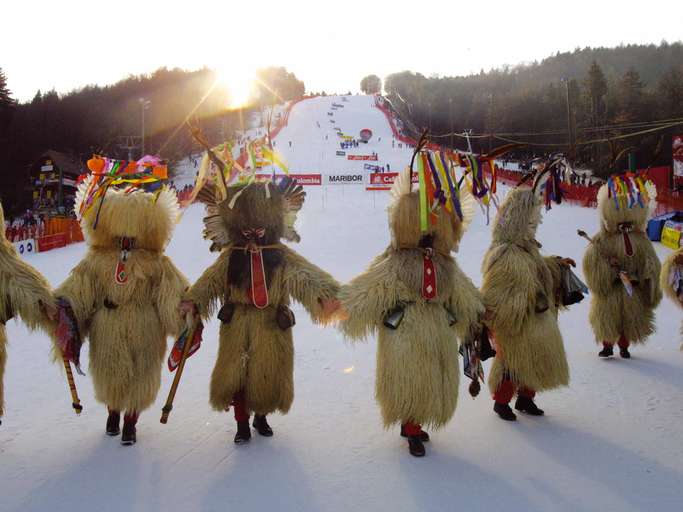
(678, 155)
(344, 179)
(26, 247)
(362, 157)
(301, 179)
(384, 180)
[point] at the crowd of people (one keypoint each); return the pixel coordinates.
(28, 226)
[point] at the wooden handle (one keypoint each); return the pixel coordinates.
(75, 401)
(168, 407)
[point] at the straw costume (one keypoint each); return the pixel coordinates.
(25, 292)
(672, 278)
(621, 266)
(521, 291)
(250, 286)
(125, 293)
(418, 302)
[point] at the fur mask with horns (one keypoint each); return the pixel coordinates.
(258, 214)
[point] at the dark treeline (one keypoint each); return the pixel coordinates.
(603, 86)
(104, 119)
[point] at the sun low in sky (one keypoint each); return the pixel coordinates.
(329, 45)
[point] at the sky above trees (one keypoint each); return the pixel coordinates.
(328, 45)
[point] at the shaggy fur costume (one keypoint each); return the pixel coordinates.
(520, 290)
(255, 355)
(664, 279)
(417, 363)
(24, 291)
(613, 312)
(127, 324)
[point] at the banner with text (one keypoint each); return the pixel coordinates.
(302, 179)
(362, 157)
(344, 179)
(384, 180)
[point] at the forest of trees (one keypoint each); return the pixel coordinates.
(104, 119)
(632, 85)
(627, 89)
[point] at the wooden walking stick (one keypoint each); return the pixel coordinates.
(75, 401)
(192, 328)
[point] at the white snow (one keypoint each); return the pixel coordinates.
(612, 440)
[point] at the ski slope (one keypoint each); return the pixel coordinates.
(612, 440)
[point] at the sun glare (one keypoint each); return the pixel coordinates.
(238, 86)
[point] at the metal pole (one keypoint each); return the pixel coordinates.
(143, 106)
(450, 115)
(60, 191)
(142, 144)
(569, 119)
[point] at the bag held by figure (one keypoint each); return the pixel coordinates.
(572, 288)
(473, 353)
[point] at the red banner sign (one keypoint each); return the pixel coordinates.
(362, 157)
(384, 180)
(302, 179)
(678, 155)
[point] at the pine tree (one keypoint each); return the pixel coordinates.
(596, 90)
(371, 84)
(630, 98)
(7, 104)
(670, 93)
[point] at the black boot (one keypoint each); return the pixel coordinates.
(424, 436)
(129, 434)
(607, 351)
(243, 434)
(504, 411)
(624, 353)
(261, 425)
(527, 405)
(415, 446)
(113, 423)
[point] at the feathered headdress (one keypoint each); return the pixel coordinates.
(146, 173)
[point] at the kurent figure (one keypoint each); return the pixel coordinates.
(25, 292)
(125, 293)
(252, 283)
(621, 266)
(672, 278)
(522, 292)
(418, 301)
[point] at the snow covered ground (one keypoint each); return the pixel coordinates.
(612, 440)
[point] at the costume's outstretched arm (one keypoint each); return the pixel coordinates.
(169, 293)
(367, 299)
(82, 292)
(308, 284)
(210, 288)
(27, 292)
(601, 277)
(510, 290)
(467, 304)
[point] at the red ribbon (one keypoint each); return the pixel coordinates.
(258, 289)
(428, 276)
